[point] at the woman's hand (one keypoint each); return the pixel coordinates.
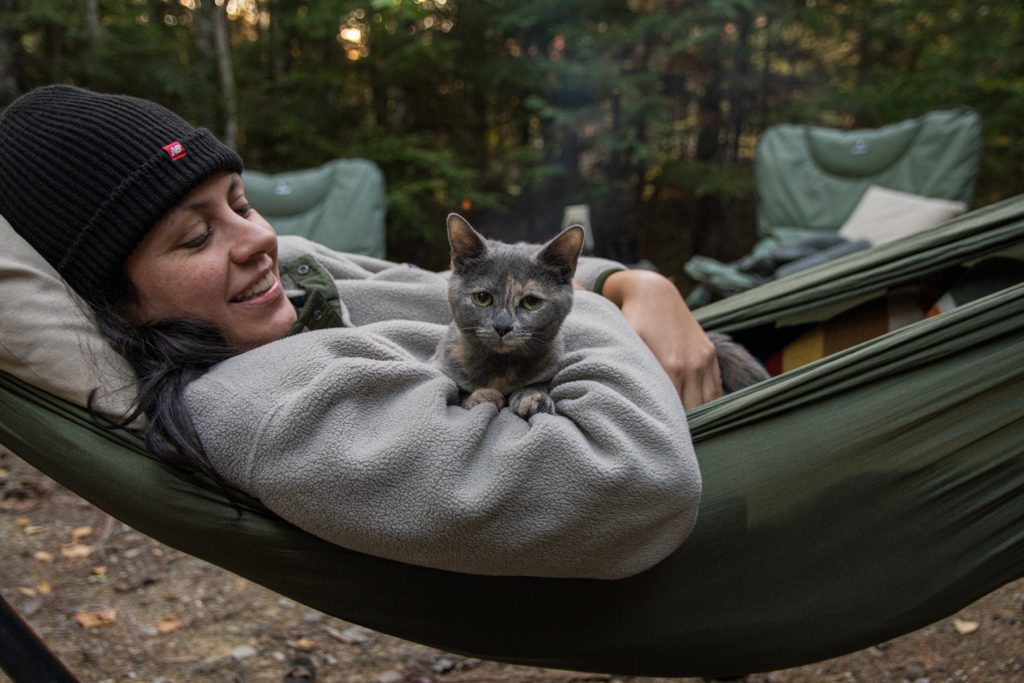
(657, 311)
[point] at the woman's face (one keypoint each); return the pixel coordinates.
(212, 257)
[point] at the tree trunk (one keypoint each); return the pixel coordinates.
(92, 22)
(93, 34)
(204, 31)
(227, 74)
(709, 128)
(53, 40)
(205, 68)
(8, 80)
(766, 72)
(741, 86)
(276, 38)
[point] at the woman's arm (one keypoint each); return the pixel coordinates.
(653, 306)
(350, 435)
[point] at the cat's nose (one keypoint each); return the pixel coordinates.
(502, 330)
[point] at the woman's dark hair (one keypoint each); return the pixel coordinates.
(166, 355)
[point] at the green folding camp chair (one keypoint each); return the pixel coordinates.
(809, 179)
(339, 204)
(845, 503)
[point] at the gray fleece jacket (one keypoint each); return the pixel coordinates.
(350, 434)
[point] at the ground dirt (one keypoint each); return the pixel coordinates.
(117, 606)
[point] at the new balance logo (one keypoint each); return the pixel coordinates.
(175, 150)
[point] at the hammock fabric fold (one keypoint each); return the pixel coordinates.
(819, 293)
(846, 502)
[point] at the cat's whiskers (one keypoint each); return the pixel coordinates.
(538, 341)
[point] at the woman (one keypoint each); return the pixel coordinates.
(300, 377)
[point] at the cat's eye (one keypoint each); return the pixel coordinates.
(483, 298)
(531, 303)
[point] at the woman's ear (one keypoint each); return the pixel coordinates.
(125, 300)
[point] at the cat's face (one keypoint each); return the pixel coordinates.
(510, 298)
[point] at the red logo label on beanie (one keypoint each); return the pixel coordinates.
(175, 150)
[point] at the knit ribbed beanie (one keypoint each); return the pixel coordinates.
(84, 176)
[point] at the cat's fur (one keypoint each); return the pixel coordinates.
(737, 366)
(508, 304)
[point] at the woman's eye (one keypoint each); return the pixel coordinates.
(531, 302)
(483, 298)
(244, 209)
(199, 241)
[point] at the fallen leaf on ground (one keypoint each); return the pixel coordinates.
(104, 617)
(16, 503)
(43, 556)
(243, 652)
(335, 633)
(33, 529)
(23, 497)
(168, 624)
(43, 587)
(76, 551)
(354, 635)
(80, 532)
(304, 644)
(27, 592)
(964, 627)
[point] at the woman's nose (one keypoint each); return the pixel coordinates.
(250, 240)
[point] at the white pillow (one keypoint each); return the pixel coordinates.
(883, 215)
(47, 340)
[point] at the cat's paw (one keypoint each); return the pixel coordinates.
(484, 395)
(527, 402)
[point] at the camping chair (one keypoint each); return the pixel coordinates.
(845, 503)
(812, 180)
(339, 204)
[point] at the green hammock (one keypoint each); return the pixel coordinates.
(847, 502)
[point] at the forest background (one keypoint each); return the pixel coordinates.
(508, 110)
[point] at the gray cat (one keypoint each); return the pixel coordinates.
(508, 303)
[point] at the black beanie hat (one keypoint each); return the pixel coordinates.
(84, 176)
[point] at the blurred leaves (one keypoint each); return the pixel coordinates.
(648, 110)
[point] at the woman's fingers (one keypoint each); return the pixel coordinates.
(701, 381)
(712, 381)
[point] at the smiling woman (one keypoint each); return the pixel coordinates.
(300, 375)
(146, 219)
(213, 257)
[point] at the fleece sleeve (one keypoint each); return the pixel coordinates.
(591, 272)
(363, 443)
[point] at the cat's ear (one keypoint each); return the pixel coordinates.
(563, 251)
(466, 242)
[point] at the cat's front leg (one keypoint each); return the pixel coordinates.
(484, 395)
(530, 401)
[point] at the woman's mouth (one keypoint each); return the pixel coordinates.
(264, 283)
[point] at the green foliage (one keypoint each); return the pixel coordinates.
(508, 110)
